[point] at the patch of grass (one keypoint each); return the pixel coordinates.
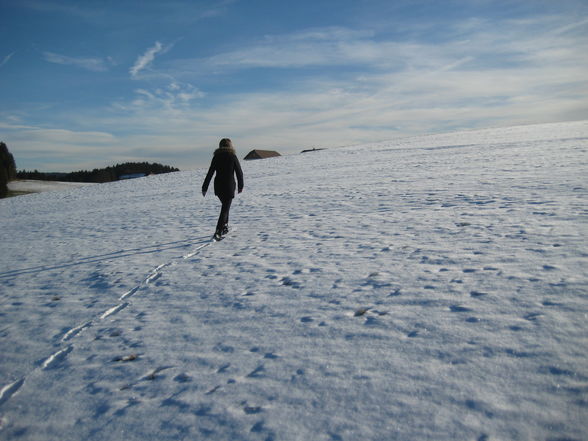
(13, 193)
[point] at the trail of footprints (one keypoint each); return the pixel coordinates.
(369, 315)
(61, 354)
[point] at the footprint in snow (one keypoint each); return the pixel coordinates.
(533, 316)
(56, 358)
(557, 371)
(129, 293)
(140, 317)
(114, 310)
(223, 348)
(213, 390)
(287, 281)
(395, 293)
(182, 378)
(258, 427)
(360, 312)
(223, 368)
(75, 331)
(126, 358)
(9, 390)
(152, 375)
(458, 308)
(271, 356)
(257, 372)
(477, 294)
(251, 410)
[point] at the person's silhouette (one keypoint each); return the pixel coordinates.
(226, 165)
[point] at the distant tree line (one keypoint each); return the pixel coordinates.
(107, 174)
(7, 169)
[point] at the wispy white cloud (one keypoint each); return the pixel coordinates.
(315, 47)
(6, 59)
(60, 136)
(177, 12)
(173, 99)
(88, 63)
(216, 9)
(499, 74)
(481, 42)
(82, 10)
(144, 61)
(52, 149)
(374, 88)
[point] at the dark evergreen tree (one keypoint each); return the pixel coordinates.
(7, 169)
(107, 174)
(3, 183)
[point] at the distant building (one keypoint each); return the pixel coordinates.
(311, 150)
(132, 176)
(261, 154)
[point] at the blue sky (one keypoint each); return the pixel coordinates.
(87, 84)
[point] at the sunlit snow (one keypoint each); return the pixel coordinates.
(429, 288)
(33, 186)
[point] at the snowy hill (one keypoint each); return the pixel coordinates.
(33, 186)
(431, 288)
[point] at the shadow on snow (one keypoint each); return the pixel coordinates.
(109, 256)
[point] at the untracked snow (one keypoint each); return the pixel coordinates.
(430, 288)
(35, 186)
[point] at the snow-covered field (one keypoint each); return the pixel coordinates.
(34, 186)
(430, 288)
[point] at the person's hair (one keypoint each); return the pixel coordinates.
(225, 143)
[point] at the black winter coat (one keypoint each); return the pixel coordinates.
(226, 165)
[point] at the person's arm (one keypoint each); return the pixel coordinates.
(208, 176)
(239, 174)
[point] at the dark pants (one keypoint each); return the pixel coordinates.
(223, 219)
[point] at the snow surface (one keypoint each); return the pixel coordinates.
(35, 186)
(430, 288)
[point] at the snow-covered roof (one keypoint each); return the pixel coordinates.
(261, 154)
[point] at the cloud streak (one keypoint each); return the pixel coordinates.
(60, 7)
(489, 44)
(87, 63)
(171, 100)
(176, 11)
(331, 46)
(493, 74)
(332, 86)
(144, 61)
(6, 59)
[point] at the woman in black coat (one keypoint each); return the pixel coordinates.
(226, 165)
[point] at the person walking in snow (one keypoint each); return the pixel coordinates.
(226, 165)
